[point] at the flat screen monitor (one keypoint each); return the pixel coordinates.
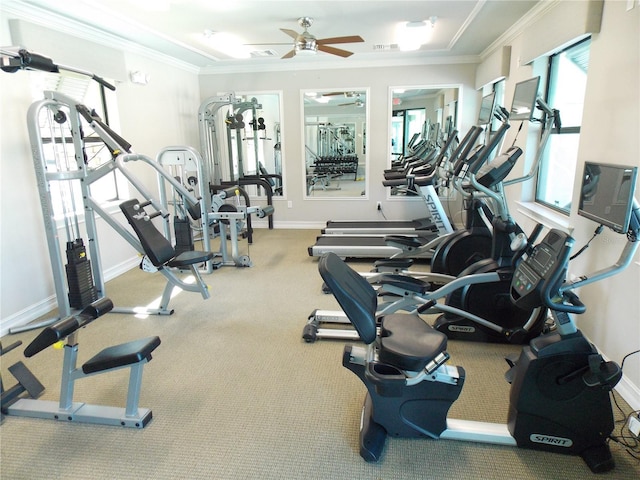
(606, 194)
(486, 108)
(524, 99)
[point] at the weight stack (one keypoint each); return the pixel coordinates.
(82, 291)
(184, 237)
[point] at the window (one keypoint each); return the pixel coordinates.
(566, 84)
(404, 125)
(66, 195)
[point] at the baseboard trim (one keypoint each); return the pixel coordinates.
(30, 313)
(629, 392)
(289, 225)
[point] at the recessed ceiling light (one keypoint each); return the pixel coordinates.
(412, 35)
(227, 43)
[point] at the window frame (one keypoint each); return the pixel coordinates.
(108, 193)
(551, 79)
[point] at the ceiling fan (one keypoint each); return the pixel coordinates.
(307, 44)
(358, 102)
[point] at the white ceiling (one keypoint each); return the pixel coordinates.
(464, 29)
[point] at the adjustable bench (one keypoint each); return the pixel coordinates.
(132, 355)
(161, 256)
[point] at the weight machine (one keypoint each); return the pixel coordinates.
(61, 133)
(209, 112)
(221, 218)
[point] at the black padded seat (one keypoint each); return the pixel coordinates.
(355, 295)
(190, 257)
(155, 244)
(122, 355)
(408, 342)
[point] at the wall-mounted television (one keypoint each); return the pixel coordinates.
(606, 194)
(486, 108)
(524, 99)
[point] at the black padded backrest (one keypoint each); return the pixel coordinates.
(155, 245)
(353, 292)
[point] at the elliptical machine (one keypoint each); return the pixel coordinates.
(559, 399)
(477, 305)
(474, 243)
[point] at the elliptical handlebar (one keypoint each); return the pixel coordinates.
(574, 305)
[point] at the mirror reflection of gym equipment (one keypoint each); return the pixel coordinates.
(241, 140)
(336, 156)
(335, 143)
(421, 118)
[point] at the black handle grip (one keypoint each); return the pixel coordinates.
(103, 82)
(574, 305)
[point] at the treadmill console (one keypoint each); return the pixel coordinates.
(543, 268)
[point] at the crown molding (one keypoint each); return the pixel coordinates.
(528, 19)
(60, 23)
(42, 17)
(273, 65)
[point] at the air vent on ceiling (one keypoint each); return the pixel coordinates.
(264, 53)
(379, 47)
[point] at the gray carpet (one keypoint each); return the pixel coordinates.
(237, 394)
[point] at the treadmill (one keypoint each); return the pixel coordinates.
(402, 246)
(422, 227)
(386, 246)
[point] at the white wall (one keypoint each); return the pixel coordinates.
(610, 135)
(159, 114)
(314, 212)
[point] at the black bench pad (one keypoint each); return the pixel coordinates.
(121, 355)
(190, 257)
(408, 342)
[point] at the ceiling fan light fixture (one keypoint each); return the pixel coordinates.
(306, 45)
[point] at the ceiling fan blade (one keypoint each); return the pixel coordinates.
(265, 44)
(293, 34)
(291, 54)
(345, 104)
(348, 39)
(334, 51)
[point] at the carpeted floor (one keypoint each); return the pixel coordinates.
(237, 394)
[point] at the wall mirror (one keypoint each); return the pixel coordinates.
(335, 142)
(421, 119)
(253, 143)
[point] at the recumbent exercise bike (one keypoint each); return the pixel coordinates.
(559, 398)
